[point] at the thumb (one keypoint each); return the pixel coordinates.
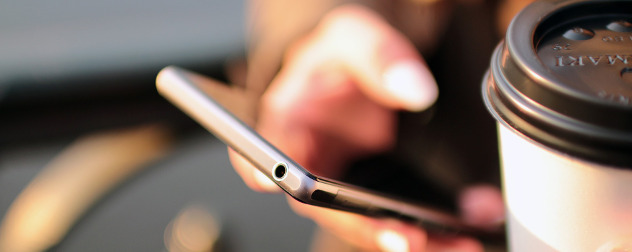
(384, 63)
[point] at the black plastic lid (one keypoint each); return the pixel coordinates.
(563, 77)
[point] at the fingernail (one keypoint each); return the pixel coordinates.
(412, 83)
(391, 241)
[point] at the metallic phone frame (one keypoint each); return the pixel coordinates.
(183, 89)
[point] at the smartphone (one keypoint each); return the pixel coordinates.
(200, 97)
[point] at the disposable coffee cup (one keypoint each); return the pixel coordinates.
(560, 89)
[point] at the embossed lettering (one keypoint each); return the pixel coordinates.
(613, 39)
(612, 59)
(559, 61)
(569, 60)
(580, 60)
(575, 61)
(558, 47)
(594, 60)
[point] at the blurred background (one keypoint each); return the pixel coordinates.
(92, 158)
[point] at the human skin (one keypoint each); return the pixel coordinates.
(335, 100)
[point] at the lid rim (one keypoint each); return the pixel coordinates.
(614, 154)
(521, 44)
(565, 135)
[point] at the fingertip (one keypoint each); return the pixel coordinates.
(482, 206)
(392, 241)
(411, 84)
(395, 236)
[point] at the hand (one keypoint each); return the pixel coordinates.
(334, 101)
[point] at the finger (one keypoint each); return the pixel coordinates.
(364, 232)
(385, 64)
(328, 116)
(482, 206)
(253, 178)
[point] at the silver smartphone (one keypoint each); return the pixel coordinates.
(200, 97)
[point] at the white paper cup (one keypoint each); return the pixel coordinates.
(558, 89)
